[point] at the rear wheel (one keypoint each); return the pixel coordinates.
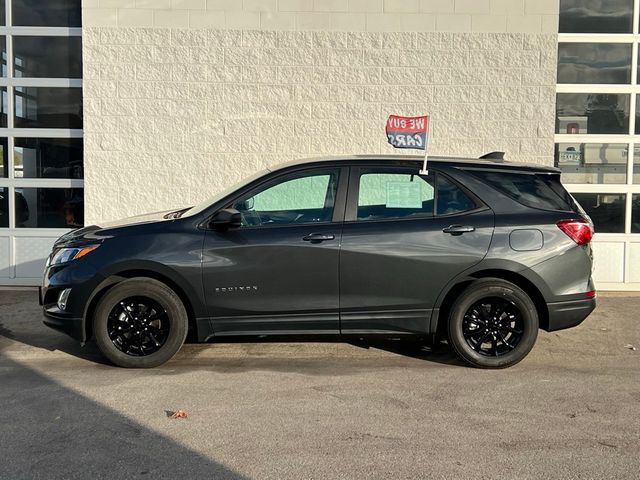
(493, 324)
(140, 323)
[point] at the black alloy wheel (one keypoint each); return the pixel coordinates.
(493, 326)
(140, 323)
(493, 323)
(138, 326)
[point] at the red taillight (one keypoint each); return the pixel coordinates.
(580, 231)
(591, 294)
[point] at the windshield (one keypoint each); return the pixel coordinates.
(220, 195)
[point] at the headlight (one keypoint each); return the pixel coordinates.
(65, 255)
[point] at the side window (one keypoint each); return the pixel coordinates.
(295, 199)
(451, 199)
(389, 194)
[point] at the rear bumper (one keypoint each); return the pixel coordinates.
(569, 313)
(58, 320)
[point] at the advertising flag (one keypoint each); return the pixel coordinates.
(408, 132)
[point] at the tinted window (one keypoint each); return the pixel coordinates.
(297, 199)
(605, 209)
(594, 63)
(388, 194)
(578, 113)
(635, 214)
(3, 51)
(48, 158)
(54, 57)
(451, 199)
(596, 16)
(3, 158)
(49, 207)
(46, 13)
(48, 107)
(4, 207)
(542, 191)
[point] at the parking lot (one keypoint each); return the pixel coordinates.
(321, 410)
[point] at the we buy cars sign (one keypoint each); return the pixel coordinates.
(408, 132)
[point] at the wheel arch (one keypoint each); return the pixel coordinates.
(517, 278)
(118, 277)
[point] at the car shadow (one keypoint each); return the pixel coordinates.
(50, 431)
(21, 321)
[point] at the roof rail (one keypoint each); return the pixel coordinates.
(495, 156)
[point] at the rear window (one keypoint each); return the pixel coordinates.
(536, 190)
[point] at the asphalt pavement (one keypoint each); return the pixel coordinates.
(324, 410)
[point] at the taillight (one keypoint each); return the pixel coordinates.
(580, 231)
(591, 294)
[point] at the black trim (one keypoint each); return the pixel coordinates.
(56, 319)
(570, 313)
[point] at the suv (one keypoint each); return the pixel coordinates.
(485, 252)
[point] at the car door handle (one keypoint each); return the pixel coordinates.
(318, 237)
(458, 229)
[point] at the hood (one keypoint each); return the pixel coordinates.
(93, 233)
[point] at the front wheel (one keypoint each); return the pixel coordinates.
(140, 323)
(493, 324)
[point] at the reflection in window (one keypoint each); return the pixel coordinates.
(596, 16)
(49, 208)
(4, 107)
(4, 157)
(605, 209)
(636, 165)
(53, 57)
(48, 158)
(49, 13)
(592, 162)
(579, 113)
(3, 50)
(635, 214)
(4, 207)
(48, 107)
(594, 63)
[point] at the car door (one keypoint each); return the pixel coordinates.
(405, 236)
(278, 272)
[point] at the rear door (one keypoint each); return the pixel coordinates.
(405, 236)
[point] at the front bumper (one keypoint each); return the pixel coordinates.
(570, 313)
(63, 322)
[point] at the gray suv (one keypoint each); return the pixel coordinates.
(480, 252)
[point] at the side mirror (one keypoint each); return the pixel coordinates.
(225, 219)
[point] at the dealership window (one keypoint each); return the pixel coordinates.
(597, 141)
(41, 146)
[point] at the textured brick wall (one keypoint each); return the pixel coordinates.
(174, 115)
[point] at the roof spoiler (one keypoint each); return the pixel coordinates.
(495, 156)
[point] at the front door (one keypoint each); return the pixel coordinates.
(278, 272)
(405, 236)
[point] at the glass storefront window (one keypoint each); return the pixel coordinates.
(53, 57)
(596, 16)
(635, 214)
(48, 107)
(4, 107)
(3, 50)
(47, 13)
(47, 158)
(605, 209)
(4, 207)
(4, 166)
(592, 162)
(49, 208)
(580, 113)
(594, 63)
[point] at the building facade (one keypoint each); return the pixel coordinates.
(181, 98)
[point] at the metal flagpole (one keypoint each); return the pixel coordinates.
(424, 170)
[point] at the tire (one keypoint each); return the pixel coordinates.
(487, 306)
(152, 316)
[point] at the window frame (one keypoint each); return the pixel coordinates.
(351, 213)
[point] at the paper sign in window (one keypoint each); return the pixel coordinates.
(403, 195)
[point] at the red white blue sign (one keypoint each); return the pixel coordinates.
(408, 132)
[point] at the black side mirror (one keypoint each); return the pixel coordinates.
(225, 219)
